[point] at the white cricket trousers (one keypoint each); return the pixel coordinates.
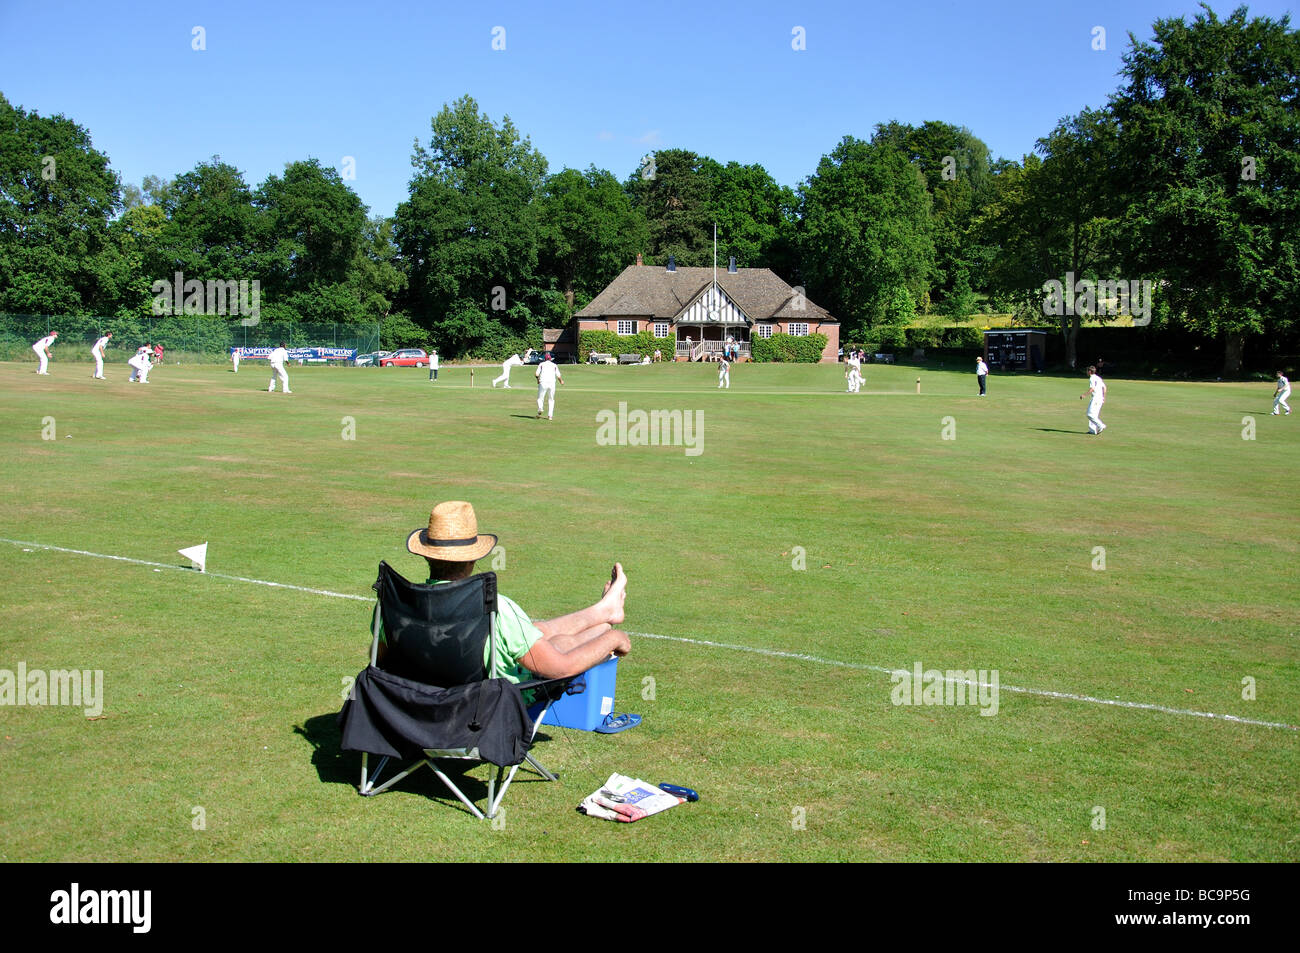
(44, 355)
(542, 393)
(99, 365)
(1094, 417)
(724, 379)
(505, 376)
(284, 378)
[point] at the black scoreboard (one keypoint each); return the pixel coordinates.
(1015, 350)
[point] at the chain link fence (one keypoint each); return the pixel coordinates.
(186, 339)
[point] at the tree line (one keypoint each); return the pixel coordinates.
(1185, 179)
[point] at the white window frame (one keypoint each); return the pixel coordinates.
(764, 330)
(663, 329)
(798, 329)
(626, 328)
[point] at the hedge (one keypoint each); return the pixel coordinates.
(607, 342)
(787, 349)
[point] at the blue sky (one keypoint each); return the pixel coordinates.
(589, 83)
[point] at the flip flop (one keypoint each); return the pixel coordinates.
(616, 723)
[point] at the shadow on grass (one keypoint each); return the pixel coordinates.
(1078, 433)
(335, 766)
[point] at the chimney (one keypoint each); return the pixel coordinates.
(639, 262)
(672, 262)
(731, 266)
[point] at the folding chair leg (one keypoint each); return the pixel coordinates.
(456, 791)
(494, 805)
(370, 792)
(367, 779)
(537, 765)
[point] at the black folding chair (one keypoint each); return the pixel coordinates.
(431, 699)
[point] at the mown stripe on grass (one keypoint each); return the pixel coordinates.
(751, 649)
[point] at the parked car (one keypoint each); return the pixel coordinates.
(537, 357)
(407, 357)
(369, 360)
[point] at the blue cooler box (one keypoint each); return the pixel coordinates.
(586, 711)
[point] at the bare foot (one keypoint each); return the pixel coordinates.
(615, 593)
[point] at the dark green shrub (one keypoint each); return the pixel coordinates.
(786, 349)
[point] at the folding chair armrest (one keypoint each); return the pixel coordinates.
(552, 688)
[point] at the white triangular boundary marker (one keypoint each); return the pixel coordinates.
(196, 554)
(756, 650)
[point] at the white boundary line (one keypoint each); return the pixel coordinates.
(218, 575)
(753, 650)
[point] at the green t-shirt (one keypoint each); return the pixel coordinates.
(514, 636)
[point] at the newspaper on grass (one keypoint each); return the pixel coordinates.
(627, 799)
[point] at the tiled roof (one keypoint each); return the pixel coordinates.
(653, 291)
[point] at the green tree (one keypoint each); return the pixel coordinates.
(673, 191)
(468, 232)
(755, 216)
(587, 231)
(311, 226)
(57, 196)
(960, 303)
(1017, 227)
(1055, 217)
(1210, 168)
(375, 278)
(959, 177)
(865, 235)
(152, 191)
(212, 229)
(135, 236)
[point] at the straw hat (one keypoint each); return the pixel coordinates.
(452, 535)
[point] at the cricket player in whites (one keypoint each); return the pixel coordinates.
(140, 364)
(853, 370)
(512, 361)
(724, 373)
(1281, 394)
(278, 357)
(98, 352)
(1096, 397)
(42, 349)
(547, 374)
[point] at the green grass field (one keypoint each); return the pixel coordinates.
(970, 553)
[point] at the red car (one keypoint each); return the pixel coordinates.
(407, 357)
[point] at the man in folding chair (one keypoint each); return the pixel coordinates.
(517, 649)
(554, 648)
